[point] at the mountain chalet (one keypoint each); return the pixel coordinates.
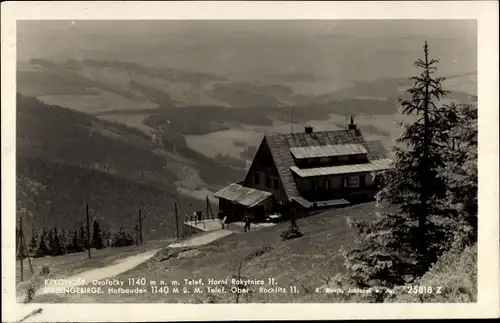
(308, 171)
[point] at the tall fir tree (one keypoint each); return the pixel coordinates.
(401, 244)
(97, 240)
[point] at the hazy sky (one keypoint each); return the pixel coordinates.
(348, 49)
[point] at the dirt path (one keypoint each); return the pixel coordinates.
(202, 239)
(106, 272)
(112, 271)
(36, 310)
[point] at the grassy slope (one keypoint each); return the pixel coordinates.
(302, 262)
(455, 273)
(107, 166)
(307, 263)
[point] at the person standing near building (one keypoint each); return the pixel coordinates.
(247, 221)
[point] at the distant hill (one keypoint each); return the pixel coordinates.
(162, 87)
(153, 98)
(100, 87)
(461, 86)
(115, 169)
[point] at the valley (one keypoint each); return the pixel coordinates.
(235, 113)
(77, 158)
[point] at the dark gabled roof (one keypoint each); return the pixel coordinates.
(279, 144)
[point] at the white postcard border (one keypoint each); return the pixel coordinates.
(486, 13)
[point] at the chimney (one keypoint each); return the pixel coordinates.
(308, 129)
(352, 125)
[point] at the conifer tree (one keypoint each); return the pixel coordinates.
(108, 239)
(83, 240)
(70, 247)
(33, 245)
(50, 240)
(55, 248)
(43, 250)
(75, 245)
(80, 243)
(63, 239)
(399, 246)
(97, 241)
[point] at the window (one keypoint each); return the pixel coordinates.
(343, 158)
(351, 182)
(313, 185)
(362, 181)
(268, 181)
(324, 160)
(327, 184)
(256, 178)
(276, 183)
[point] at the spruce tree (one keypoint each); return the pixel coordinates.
(75, 242)
(70, 243)
(108, 238)
(33, 245)
(83, 238)
(63, 239)
(55, 246)
(409, 236)
(43, 250)
(50, 240)
(97, 241)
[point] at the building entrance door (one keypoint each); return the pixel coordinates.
(260, 213)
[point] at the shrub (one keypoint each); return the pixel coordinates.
(123, 239)
(35, 283)
(291, 233)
